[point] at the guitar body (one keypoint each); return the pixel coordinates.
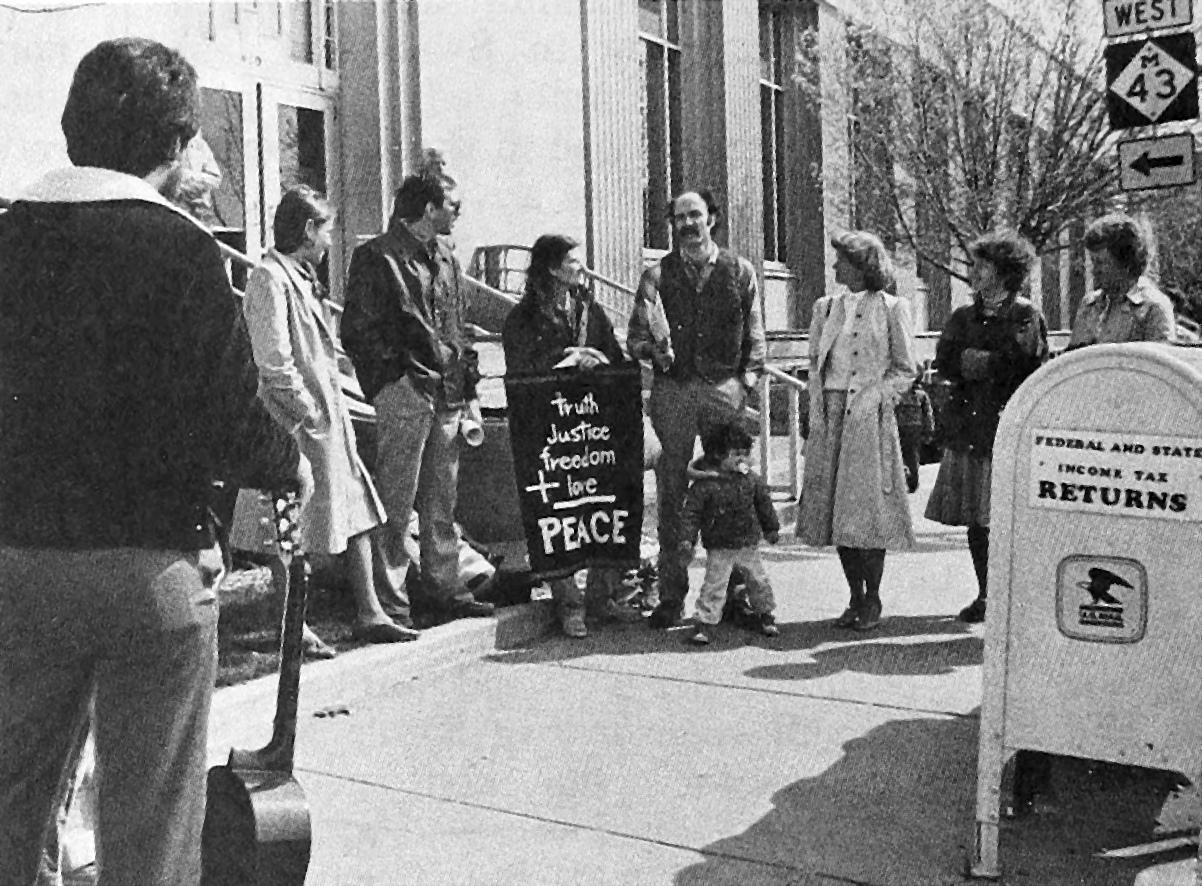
(256, 830)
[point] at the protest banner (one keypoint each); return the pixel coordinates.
(577, 441)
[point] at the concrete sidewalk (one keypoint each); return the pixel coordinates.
(633, 758)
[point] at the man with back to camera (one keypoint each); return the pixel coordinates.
(404, 328)
(1126, 306)
(697, 319)
(127, 387)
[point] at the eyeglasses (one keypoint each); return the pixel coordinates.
(456, 206)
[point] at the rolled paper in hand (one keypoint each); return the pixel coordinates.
(471, 425)
(661, 332)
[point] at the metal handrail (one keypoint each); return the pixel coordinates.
(612, 284)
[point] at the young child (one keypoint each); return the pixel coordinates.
(733, 510)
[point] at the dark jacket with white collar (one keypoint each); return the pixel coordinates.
(127, 385)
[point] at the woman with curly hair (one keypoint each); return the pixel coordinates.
(987, 349)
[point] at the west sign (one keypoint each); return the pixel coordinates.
(1124, 17)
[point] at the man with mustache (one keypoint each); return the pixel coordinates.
(697, 319)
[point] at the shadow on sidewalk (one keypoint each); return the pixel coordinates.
(898, 808)
(884, 659)
(867, 653)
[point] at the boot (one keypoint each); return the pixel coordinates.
(978, 548)
(873, 561)
(850, 560)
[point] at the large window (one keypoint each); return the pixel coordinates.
(659, 34)
(873, 185)
(772, 132)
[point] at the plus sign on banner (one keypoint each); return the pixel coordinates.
(1151, 81)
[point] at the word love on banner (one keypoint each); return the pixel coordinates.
(577, 441)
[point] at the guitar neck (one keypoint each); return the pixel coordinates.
(277, 755)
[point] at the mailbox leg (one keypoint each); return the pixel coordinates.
(985, 863)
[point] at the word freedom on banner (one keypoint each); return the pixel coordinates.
(577, 441)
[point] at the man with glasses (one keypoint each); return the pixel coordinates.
(404, 328)
(697, 319)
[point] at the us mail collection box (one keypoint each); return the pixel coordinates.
(1093, 637)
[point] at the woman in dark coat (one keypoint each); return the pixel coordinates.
(987, 349)
(558, 319)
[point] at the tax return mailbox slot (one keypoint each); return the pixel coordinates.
(1095, 570)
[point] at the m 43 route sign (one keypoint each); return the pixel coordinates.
(1152, 81)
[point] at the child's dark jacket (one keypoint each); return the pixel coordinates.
(732, 511)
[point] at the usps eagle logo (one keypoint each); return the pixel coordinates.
(1104, 610)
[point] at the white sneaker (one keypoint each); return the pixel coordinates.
(700, 637)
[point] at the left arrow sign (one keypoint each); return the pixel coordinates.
(1145, 164)
(1160, 162)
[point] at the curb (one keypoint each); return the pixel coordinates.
(241, 715)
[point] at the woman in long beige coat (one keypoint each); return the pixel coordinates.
(296, 353)
(861, 361)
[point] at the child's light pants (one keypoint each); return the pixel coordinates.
(718, 566)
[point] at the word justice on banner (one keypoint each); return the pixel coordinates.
(1122, 475)
(577, 441)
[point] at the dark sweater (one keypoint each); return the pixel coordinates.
(534, 341)
(127, 383)
(732, 511)
(1016, 339)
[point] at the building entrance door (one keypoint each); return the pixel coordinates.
(266, 139)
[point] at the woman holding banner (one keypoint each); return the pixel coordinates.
(861, 361)
(558, 325)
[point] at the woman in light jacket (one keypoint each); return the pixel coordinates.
(861, 361)
(296, 352)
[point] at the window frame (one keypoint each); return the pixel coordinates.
(662, 173)
(774, 181)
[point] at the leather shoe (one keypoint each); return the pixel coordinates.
(399, 617)
(383, 632)
(869, 618)
(664, 616)
(848, 618)
(471, 608)
(974, 612)
(313, 647)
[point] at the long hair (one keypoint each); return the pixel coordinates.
(547, 254)
(868, 255)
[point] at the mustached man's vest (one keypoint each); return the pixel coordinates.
(708, 327)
